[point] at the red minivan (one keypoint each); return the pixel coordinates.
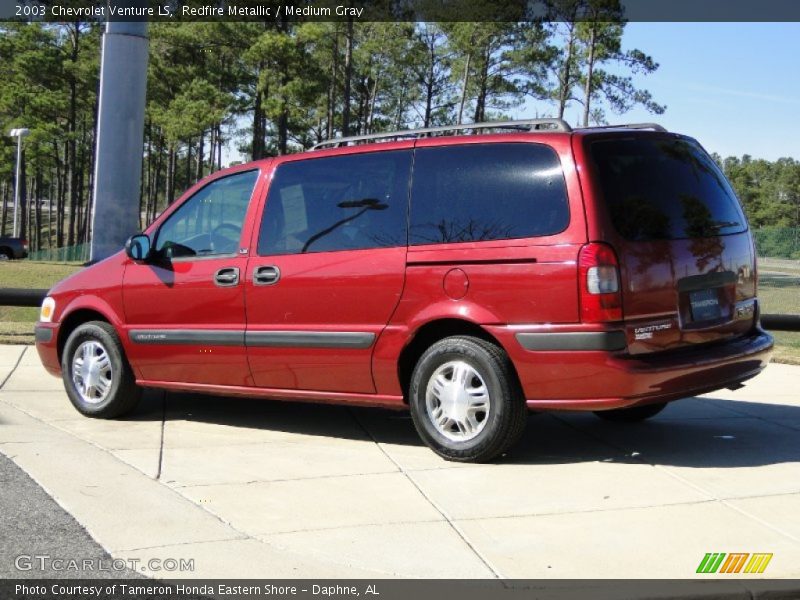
(468, 278)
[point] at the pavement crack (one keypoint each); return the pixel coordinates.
(496, 573)
(189, 543)
(19, 360)
(344, 527)
(282, 480)
(161, 443)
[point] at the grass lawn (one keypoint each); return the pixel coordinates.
(16, 322)
(779, 292)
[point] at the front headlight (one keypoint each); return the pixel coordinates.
(47, 310)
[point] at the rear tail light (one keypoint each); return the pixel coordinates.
(600, 294)
(25, 243)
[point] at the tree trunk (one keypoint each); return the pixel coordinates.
(587, 92)
(37, 212)
(171, 174)
(151, 215)
(480, 103)
(464, 82)
(348, 75)
(219, 146)
(564, 79)
(4, 198)
(80, 184)
(429, 85)
(50, 215)
(373, 100)
(188, 163)
(60, 209)
(332, 84)
(200, 151)
(255, 152)
(72, 127)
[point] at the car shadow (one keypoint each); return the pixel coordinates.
(695, 432)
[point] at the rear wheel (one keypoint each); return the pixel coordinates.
(5, 254)
(465, 400)
(633, 414)
(97, 377)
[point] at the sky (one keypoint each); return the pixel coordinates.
(735, 87)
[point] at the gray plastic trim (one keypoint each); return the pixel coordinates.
(310, 339)
(212, 337)
(279, 339)
(43, 334)
(594, 340)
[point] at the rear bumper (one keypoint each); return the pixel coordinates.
(47, 346)
(600, 380)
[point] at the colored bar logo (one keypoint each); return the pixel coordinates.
(735, 562)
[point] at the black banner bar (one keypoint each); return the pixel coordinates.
(400, 10)
(731, 588)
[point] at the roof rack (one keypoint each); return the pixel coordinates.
(653, 126)
(524, 125)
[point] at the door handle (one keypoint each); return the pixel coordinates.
(227, 276)
(268, 275)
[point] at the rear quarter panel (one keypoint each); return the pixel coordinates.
(501, 282)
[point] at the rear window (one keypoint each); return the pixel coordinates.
(665, 189)
(481, 192)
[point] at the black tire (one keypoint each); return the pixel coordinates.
(5, 254)
(504, 420)
(634, 414)
(122, 393)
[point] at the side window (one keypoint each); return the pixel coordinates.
(337, 203)
(481, 192)
(210, 222)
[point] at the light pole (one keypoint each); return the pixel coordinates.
(19, 134)
(120, 133)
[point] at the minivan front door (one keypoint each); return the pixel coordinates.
(184, 307)
(328, 270)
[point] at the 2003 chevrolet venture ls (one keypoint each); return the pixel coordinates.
(466, 277)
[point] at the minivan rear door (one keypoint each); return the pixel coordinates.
(681, 237)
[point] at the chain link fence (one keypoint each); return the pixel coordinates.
(778, 242)
(77, 253)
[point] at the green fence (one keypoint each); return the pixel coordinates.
(778, 242)
(77, 253)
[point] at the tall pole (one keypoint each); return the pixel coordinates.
(19, 134)
(17, 187)
(120, 135)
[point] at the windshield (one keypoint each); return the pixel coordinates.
(665, 189)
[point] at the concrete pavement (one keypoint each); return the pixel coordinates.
(34, 527)
(249, 488)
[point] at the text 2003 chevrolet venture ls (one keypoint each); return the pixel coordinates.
(466, 277)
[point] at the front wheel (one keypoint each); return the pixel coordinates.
(97, 377)
(634, 414)
(466, 403)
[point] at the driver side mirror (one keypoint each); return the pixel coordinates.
(138, 247)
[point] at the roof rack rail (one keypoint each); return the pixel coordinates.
(523, 125)
(653, 126)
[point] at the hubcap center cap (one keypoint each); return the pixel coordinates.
(454, 401)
